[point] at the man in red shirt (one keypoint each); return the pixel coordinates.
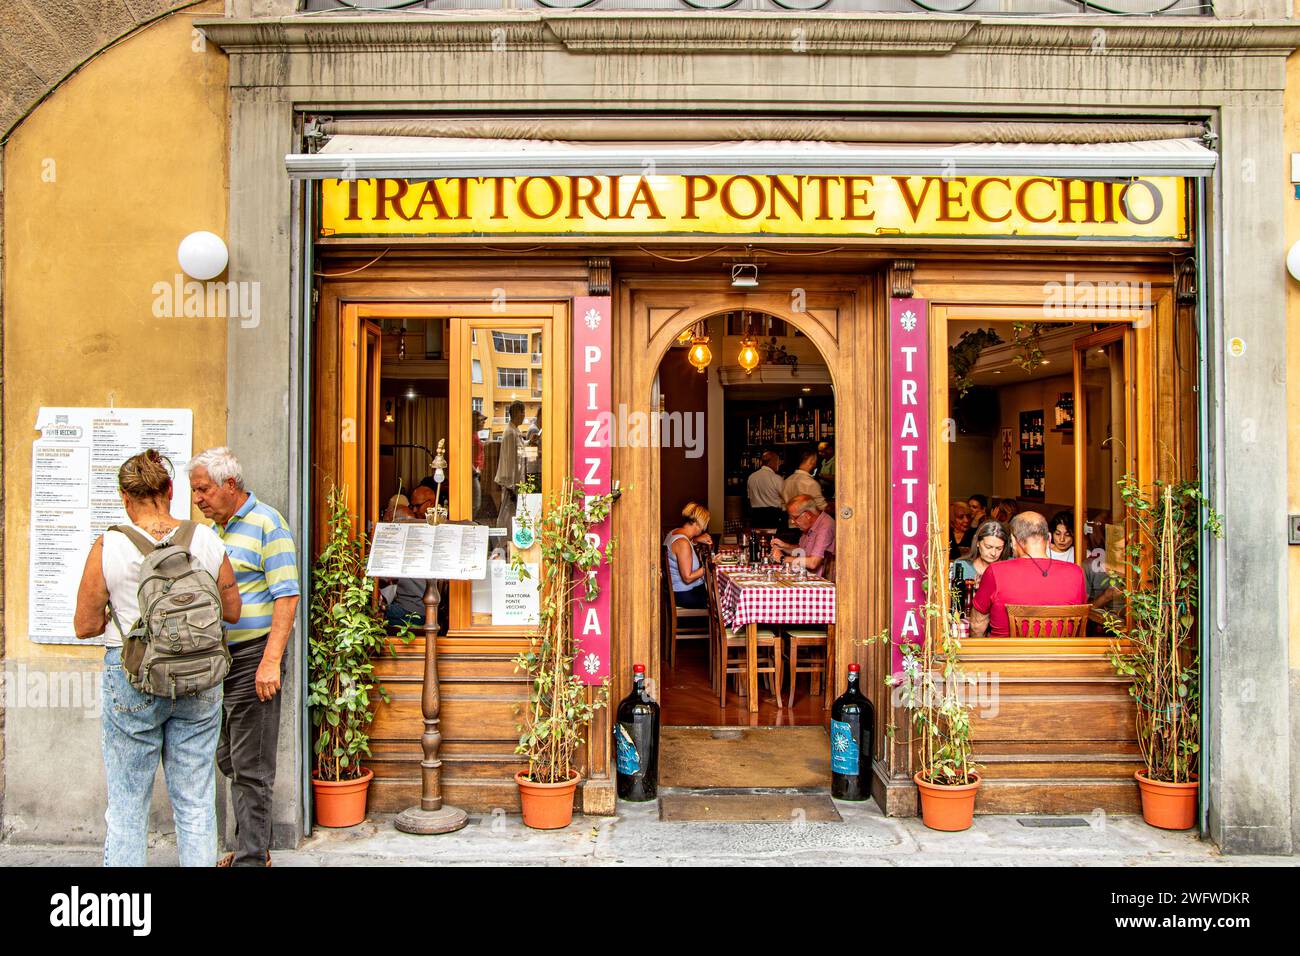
(1031, 577)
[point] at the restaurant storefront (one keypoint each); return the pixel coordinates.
(878, 236)
(478, 270)
(896, 181)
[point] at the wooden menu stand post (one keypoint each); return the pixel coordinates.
(432, 815)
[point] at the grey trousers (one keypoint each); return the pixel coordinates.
(246, 752)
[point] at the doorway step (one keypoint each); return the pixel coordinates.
(744, 758)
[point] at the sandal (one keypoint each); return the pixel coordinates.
(229, 859)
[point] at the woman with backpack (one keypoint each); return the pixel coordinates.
(161, 584)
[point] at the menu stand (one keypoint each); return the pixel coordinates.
(432, 815)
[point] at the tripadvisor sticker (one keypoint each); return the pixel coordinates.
(523, 537)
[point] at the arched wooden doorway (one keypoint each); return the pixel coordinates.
(839, 316)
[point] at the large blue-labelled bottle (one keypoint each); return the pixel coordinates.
(853, 721)
(636, 742)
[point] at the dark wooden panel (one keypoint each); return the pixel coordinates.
(1072, 766)
(1058, 795)
(1063, 718)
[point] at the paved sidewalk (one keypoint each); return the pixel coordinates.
(636, 837)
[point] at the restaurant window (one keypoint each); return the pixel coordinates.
(1042, 417)
(508, 446)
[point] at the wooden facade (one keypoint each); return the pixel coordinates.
(1062, 737)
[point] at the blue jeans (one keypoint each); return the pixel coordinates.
(139, 728)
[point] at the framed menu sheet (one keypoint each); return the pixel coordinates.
(409, 549)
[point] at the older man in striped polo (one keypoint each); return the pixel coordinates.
(261, 549)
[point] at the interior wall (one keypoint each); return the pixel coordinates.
(715, 434)
(973, 461)
(684, 392)
(1058, 448)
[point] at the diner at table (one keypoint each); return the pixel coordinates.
(815, 548)
(1032, 578)
(989, 544)
(685, 570)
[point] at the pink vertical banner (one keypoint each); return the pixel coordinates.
(592, 465)
(909, 437)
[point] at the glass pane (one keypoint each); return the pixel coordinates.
(506, 443)
(412, 421)
(1105, 454)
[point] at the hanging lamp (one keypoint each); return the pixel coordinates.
(699, 354)
(748, 357)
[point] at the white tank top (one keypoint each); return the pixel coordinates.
(121, 564)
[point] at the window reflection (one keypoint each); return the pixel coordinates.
(506, 443)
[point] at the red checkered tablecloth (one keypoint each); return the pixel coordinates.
(747, 595)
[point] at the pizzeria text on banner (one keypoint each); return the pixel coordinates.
(592, 465)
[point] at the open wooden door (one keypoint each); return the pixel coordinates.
(1105, 443)
(360, 361)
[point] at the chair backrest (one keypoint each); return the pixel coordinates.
(668, 583)
(829, 572)
(711, 591)
(1048, 620)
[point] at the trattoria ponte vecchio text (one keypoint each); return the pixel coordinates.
(794, 205)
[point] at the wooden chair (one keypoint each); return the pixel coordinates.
(1047, 620)
(697, 616)
(728, 641)
(820, 668)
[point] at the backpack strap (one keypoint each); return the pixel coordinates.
(144, 544)
(183, 536)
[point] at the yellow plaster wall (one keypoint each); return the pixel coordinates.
(100, 184)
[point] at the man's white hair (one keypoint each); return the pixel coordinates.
(220, 464)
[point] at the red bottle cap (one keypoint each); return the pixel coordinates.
(640, 668)
(854, 668)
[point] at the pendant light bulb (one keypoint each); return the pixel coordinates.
(748, 357)
(699, 355)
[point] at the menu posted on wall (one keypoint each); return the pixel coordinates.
(450, 552)
(74, 496)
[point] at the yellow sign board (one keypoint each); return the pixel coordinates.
(1034, 207)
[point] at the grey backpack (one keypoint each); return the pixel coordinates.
(177, 647)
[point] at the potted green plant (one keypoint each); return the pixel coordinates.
(554, 726)
(963, 355)
(934, 688)
(346, 632)
(1159, 584)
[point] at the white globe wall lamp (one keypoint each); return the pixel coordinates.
(1293, 260)
(202, 255)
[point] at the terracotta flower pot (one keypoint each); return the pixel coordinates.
(341, 803)
(946, 807)
(1169, 806)
(547, 806)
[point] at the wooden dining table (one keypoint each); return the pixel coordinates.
(750, 595)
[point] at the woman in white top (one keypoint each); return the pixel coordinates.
(140, 728)
(1061, 547)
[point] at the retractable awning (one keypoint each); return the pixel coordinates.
(349, 156)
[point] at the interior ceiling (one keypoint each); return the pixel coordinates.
(996, 366)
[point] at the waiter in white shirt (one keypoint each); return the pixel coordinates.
(764, 489)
